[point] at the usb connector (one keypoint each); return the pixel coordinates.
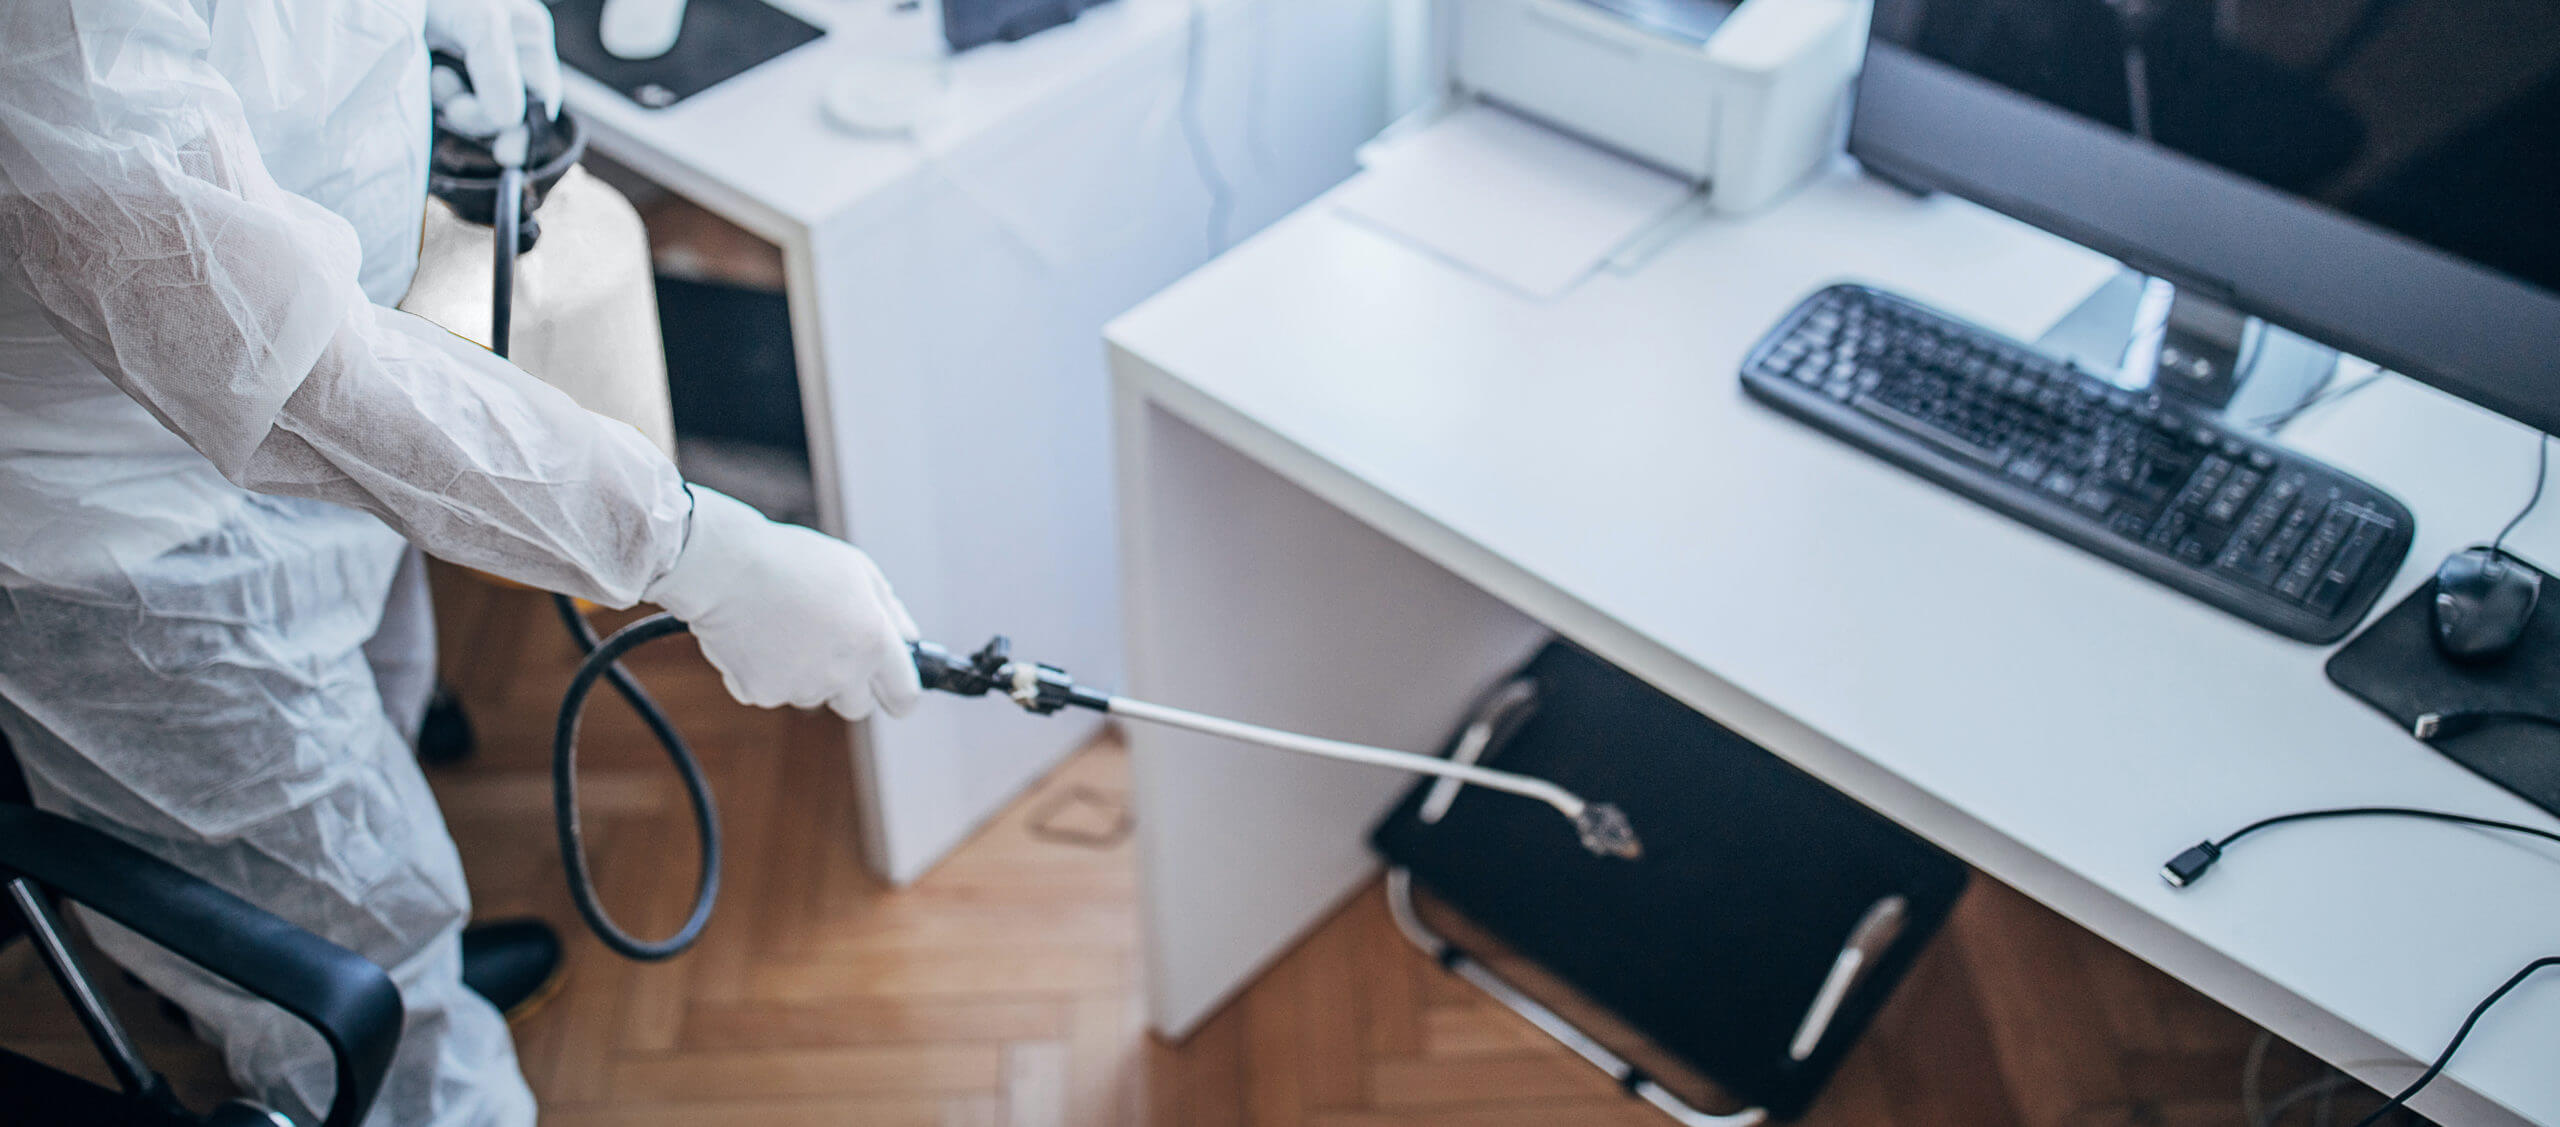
(2184, 869)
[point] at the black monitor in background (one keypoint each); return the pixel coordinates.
(2380, 176)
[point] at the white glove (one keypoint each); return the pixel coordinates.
(790, 616)
(506, 47)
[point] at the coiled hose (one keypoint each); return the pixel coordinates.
(603, 660)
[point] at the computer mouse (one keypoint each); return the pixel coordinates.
(640, 29)
(2483, 601)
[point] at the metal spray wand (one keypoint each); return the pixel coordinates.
(1045, 689)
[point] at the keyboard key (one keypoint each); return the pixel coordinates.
(2288, 539)
(2330, 593)
(2226, 504)
(2171, 528)
(2359, 549)
(1911, 424)
(2332, 532)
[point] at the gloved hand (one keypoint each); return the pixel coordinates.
(506, 46)
(788, 615)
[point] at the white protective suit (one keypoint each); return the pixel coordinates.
(217, 444)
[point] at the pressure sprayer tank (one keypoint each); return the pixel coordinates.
(586, 307)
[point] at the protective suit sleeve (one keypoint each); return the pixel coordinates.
(475, 461)
(135, 208)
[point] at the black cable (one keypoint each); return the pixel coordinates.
(601, 662)
(2541, 474)
(2188, 867)
(2447, 725)
(2394, 811)
(2446, 1057)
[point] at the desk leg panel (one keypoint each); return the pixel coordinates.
(1248, 597)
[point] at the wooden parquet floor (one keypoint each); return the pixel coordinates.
(1003, 989)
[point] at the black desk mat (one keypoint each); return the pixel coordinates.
(2394, 667)
(720, 39)
(1714, 943)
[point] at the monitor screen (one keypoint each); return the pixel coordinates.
(2381, 174)
(2439, 119)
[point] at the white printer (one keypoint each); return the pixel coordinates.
(1746, 100)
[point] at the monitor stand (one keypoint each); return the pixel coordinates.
(2144, 333)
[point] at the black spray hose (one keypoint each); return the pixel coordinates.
(507, 219)
(603, 659)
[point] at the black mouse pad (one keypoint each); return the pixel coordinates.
(1716, 941)
(2394, 667)
(720, 39)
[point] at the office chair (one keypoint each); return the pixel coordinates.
(1734, 964)
(349, 1001)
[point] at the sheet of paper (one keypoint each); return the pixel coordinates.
(1515, 201)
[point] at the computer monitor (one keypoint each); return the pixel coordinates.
(2381, 176)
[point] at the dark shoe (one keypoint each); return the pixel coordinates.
(444, 736)
(516, 964)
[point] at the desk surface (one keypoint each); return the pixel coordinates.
(759, 149)
(2059, 722)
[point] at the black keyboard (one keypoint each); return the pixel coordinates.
(2151, 484)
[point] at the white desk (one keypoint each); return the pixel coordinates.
(946, 293)
(1357, 483)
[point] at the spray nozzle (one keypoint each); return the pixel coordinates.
(1038, 688)
(974, 676)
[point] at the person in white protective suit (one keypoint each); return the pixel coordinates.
(218, 444)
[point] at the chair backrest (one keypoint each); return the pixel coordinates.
(27, 1085)
(347, 1000)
